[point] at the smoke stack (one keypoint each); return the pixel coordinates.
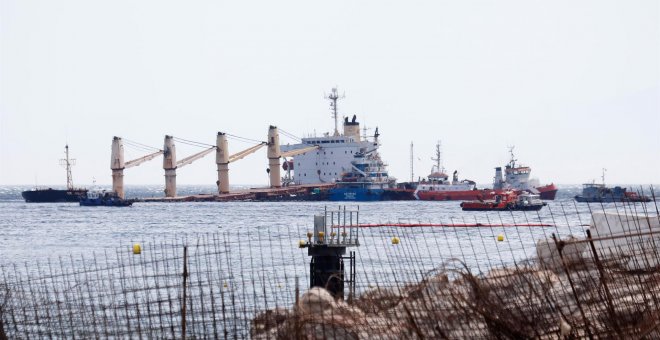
(352, 128)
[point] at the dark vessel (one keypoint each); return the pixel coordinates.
(593, 192)
(50, 195)
(105, 199)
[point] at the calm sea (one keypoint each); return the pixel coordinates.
(31, 232)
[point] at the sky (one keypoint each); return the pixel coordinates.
(573, 85)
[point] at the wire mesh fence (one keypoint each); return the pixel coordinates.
(591, 275)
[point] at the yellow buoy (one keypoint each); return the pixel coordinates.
(500, 237)
(301, 244)
(321, 236)
(225, 285)
(395, 240)
(137, 249)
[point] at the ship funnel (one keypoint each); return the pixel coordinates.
(352, 128)
(274, 157)
(222, 161)
(497, 180)
(117, 166)
(169, 165)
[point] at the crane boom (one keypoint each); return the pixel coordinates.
(142, 159)
(190, 159)
(242, 154)
(299, 151)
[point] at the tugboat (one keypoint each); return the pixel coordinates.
(592, 192)
(368, 179)
(517, 178)
(104, 198)
(438, 187)
(506, 201)
(50, 195)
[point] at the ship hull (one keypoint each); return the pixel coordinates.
(547, 192)
(53, 195)
(465, 195)
(105, 203)
(535, 207)
(397, 194)
(611, 199)
(356, 194)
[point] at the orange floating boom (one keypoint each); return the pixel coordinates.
(453, 225)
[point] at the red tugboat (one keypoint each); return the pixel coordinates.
(517, 178)
(506, 201)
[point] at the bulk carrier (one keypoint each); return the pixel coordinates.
(346, 159)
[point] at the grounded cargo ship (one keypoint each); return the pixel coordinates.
(70, 194)
(516, 177)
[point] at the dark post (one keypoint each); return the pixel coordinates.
(185, 281)
(327, 247)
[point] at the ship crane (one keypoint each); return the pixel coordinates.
(299, 151)
(117, 164)
(170, 163)
(142, 159)
(223, 158)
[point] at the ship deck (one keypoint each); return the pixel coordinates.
(290, 193)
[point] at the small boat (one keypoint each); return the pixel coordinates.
(592, 193)
(506, 201)
(105, 199)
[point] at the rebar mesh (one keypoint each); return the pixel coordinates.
(445, 282)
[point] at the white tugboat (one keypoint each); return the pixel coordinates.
(516, 177)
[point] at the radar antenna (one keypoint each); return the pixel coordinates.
(333, 97)
(68, 163)
(438, 158)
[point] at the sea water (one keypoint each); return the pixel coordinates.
(35, 231)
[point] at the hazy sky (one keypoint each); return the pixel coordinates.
(574, 85)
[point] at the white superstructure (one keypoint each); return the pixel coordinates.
(335, 153)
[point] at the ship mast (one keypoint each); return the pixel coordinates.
(68, 163)
(333, 96)
(438, 158)
(603, 176)
(412, 170)
(513, 160)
